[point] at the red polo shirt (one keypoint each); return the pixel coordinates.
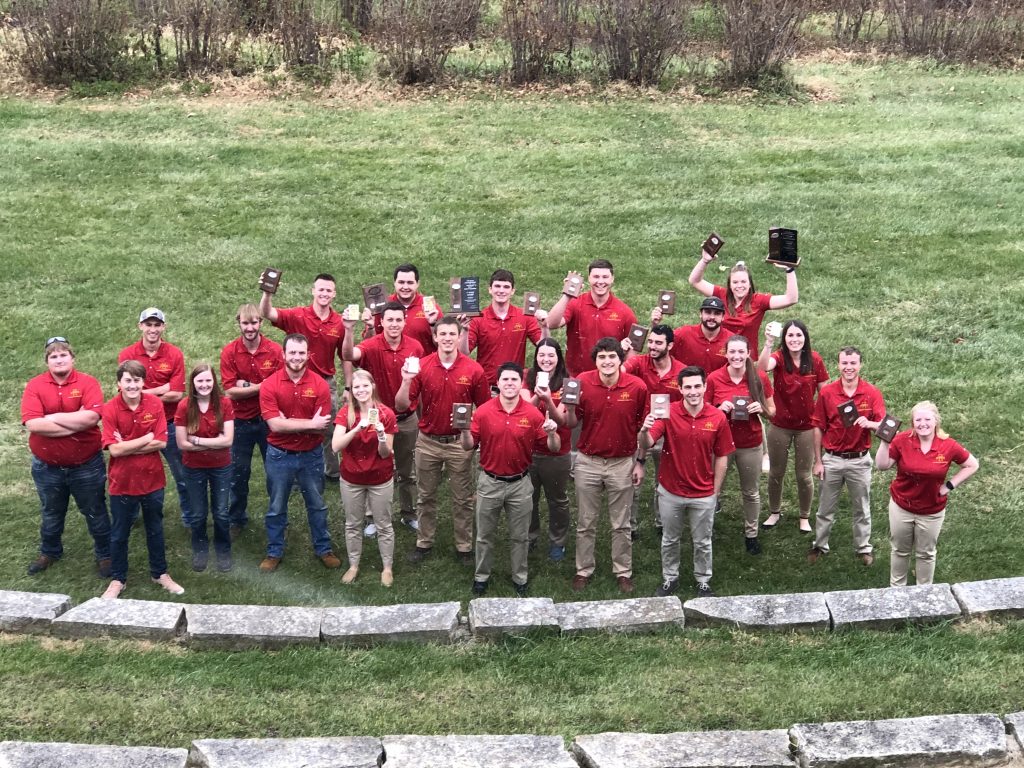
(795, 392)
(44, 396)
(324, 335)
(237, 362)
(611, 416)
(692, 348)
(836, 437)
(720, 387)
(586, 323)
(165, 366)
(280, 396)
(361, 463)
(417, 327)
(507, 440)
(747, 322)
(692, 443)
(500, 341)
(643, 368)
(385, 363)
(141, 473)
(441, 387)
(919, 476)
(220, 457)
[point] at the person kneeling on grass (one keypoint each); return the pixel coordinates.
(134, 432)
(364, 433)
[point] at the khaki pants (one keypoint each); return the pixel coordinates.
(855, 474)
(360, 501)
(748, 466)
(551, 473)
(594, 478)
(779, 442)
(493, 496)
(700, 515)
(432, 458)
(331, 468)
(651, 474)
(404, 447)
(919, 533)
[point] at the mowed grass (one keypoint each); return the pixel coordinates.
(904, 186)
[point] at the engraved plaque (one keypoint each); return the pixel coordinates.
(429, 305)
(531, 302)
(375, 297)
(351, 312)
(573, 286)
(659, 406)
(773, 329)
(848, 413)
(638, 336)
(465, 295)
(462, 415)
(888, 428)
(412, 364)
(782, 247)
(571, 391)
(712, 245)
(270, 280)
(543, 380)
(740, 411)
(373, 417)
(667, 302)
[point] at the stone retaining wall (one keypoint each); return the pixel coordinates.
(255, 626)
(945, 741)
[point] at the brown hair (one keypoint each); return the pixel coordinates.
(754, 384)
(192, 412)
(730, 300)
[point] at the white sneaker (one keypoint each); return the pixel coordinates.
(412, 523)
(113, 590)
(370, 530)
(169, 584)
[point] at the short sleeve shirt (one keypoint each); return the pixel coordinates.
(611, 416)
(836, 437)
(507, 440)
(692, 443)
(795, 392)
(43, 396)
(721, 387)
(691, 347)
(280, 396)
(920, 476)
(361, 462)
(213, 459)
(165, 366)
(501, 340)
(324, 336)
(437, 389)
(142, 473)
(237, 362)
(385, 364)
(586, 323)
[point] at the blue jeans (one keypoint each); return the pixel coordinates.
(249, 434)
(172, 455)
(123, 511)
(208, 491)
(55, 485)
(284, 469)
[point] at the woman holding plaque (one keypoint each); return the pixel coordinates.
(798, 372)
(743, 393)
(917, 505)
(364, 432)
(550, 471)
(204, 427)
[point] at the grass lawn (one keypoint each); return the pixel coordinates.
(905, 186)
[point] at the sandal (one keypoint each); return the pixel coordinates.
(778, 517)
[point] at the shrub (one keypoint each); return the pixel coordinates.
(416, 36)
(306, 36)
(205, 35)
(70, 41)
(957, 29)
(854, 20)
(637, 38)
(761, 36)
(536, 31)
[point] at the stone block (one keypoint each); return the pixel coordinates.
(25, 754)
(892, 606)
(1015, 727)
(372, 624)
(942, 740)
(641, 614)
(30, 611)
(240, 627)
(497, 616)
(996, 598)
(706, 749)
(355, 752)
(801, 612)
(476, 752)
(140, 619)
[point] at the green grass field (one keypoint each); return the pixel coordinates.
(905, 187)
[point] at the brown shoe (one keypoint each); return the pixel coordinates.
(625, 585)
(103, 566)
(867, 558)
(40, 564)
(330, 560)
(269, 564)
(814, 554)
(579, 583)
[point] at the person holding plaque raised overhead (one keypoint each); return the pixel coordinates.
(918, 494)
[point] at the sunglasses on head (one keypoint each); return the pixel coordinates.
(55, 340)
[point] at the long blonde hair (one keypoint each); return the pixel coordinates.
(928, 405)
(353, 404)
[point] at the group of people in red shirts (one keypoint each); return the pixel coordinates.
(417, 406)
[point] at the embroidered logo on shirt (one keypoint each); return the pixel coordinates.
(709, 426)
(75, 393)
(164, 367)
(624, 397)
(309, 392)
(940, 458)
(524, 422)
(147, 418)
(464, 380)
(517, 327)
(267, 365)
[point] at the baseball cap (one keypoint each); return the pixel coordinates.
(714, 303)
(151, 313)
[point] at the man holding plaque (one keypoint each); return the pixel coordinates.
(659, 372)
(507, 429)
(612, 405)
(589, 317)
(842, 453)
(500, 333)
(383, 355)
(244, 364)
(322, 327)
(702, 344)
(437, 383)
(165, 379)
(421, 312)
